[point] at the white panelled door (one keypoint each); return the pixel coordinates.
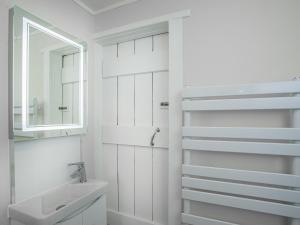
(135, 98)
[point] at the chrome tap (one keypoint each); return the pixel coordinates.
(80, 172)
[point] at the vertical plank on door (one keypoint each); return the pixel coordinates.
(125, 60)
(126, 101)
(76, 67)
(111, 174)
(160, 94)
(143, 100)
(110, 101)
(110, 60)
(68, 69)
(160, 186)
(161, 51)
(143, 183)
(126, 179)
(76, 103)
(67, 102)
(143, 55)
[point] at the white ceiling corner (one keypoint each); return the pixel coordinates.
(95, 7)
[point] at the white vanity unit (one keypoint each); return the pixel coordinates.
(69, 204)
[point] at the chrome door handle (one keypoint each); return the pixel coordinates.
(157, 130)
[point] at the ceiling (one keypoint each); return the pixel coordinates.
(98, 6)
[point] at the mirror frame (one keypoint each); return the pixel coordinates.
(27, 23)
(35, 132)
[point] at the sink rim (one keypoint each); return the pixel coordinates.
(18, 211)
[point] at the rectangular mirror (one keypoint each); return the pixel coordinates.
(48, 79)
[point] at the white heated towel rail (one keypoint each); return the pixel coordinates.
(265, 192)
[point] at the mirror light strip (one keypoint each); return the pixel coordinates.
(25, 74)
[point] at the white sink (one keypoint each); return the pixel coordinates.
(56, 204)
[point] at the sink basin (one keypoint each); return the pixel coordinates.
(54, 205)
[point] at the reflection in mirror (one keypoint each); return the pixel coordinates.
(48, 79)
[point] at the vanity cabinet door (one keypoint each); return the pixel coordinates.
(76, 220)
(96, 214)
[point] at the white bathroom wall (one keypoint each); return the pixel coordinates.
(231, 42)
(64, 14)
(43, 164)
(4, 147)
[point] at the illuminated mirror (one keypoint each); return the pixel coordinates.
(48, 79)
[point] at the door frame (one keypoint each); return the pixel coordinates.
(173, 24)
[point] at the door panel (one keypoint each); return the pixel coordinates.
(110, 101)
(160, 94)
(68, 102)
(160, 184)
(135, 84)
(126, 178)
(111, 174)
(143, 182)
(126, 101)
(143, 100)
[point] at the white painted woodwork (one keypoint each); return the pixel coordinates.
(160, 94)
(126, 101)
(243, 175)
(126, 179)
(110, 154)
(75, 102)
(139, 29)
(110, 54)
(284, 149)
(175, 119)
(67, 102)
(110, 102)
(239, 90)
(144, 59)
(242, 104)
(143, 55)
(68, 69)
(125, 57)
(96, 213)
(143, 100)
(243, 203)
(161, 52)
(143, 182)
(160, 185)
(242, 189)
(76, 67)
(130, 135)
(243, 132)
(135, 77)
(198, 220)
